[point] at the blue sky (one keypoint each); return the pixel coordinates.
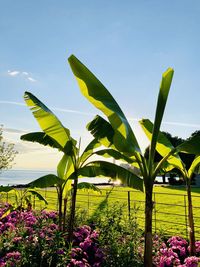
(127, 44)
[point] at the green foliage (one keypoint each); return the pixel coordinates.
(119, 236)
(48, 122)
(99, 96)
(72, 165)
(118, 132)
(46, 181)
(88, 187)
(127, 177)
(7, 153)
(41, 138)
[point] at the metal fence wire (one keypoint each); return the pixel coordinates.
(170, 211)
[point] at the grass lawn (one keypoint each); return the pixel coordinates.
(169, 208)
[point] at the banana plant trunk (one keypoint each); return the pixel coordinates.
(148, 226)
(73, 209)
(64, 214)
(60, 209)
(190, 219)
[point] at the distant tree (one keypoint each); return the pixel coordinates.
(197, 132)
(7, 153)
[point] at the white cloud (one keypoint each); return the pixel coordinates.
(24, 74)
(31, 79)
(13, 73)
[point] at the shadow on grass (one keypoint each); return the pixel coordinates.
(102, 206)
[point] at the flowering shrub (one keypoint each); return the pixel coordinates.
(86, 251)
(175, 252)
(32, 238)
(29, 238)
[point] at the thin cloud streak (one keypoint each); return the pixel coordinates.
(74, 111)
(182, 124)
(55, 109)
(12, 103)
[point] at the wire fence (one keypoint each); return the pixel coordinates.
(170, 211)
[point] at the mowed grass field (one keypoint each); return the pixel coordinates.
(170, 205)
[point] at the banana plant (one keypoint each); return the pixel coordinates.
(22, 195)
(167, 151)
(118, 133)
(61, 181)
(73, 164)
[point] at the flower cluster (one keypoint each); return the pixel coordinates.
(86, 251)
(27, 237)
(175, 252)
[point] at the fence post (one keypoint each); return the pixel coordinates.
(186, 223)
(7, 197)
(129, 205)
(154, 199)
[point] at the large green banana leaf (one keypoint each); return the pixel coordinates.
(193, 167)
(102, 130)
(88, 187)
(67, 186)
(47, 181)
(48, 122)
(99, 96)
(163, 145)
(64, 169)
(89, 150)
(111, 153)
(38, 195)
(107, 169)
(162, 100)
(62, 165)
(41, 138)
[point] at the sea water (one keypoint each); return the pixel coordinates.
(16, 177)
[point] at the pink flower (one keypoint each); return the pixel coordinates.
(16, 255)
(191, 261)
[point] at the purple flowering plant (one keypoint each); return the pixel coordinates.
(86, 251)
(175, 252)
(30, 238)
